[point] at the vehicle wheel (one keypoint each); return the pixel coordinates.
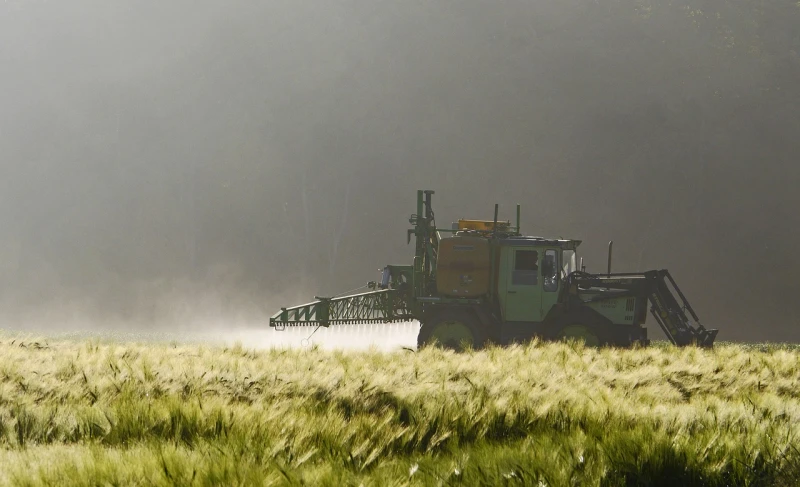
(578, 331)
(454, 330)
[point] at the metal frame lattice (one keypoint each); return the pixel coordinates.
(381, 306)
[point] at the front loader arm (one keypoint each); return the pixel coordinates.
(671, 315)
(669, 312)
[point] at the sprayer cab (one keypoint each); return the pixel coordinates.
(483, 281)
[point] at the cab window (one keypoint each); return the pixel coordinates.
(550, 270)
(526, 268)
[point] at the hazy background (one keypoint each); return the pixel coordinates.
(167, 164)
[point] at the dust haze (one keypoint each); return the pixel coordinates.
(188, 166)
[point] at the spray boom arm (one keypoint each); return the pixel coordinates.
(379, 306)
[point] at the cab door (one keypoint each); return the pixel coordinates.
(523, 293)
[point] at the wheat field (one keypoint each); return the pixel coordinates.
(102, 412)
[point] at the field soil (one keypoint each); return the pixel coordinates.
(103, 412)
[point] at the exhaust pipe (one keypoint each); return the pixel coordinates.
(610, 245)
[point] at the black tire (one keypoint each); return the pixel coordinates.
(452, 329)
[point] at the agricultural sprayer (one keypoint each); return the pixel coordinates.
(483, 281)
